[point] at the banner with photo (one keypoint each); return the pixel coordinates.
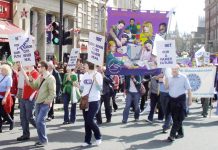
(130, 41)
(201, 87)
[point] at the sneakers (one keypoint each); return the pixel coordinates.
(97, 142)
(147, 120)
(124, 122)
(85, 144)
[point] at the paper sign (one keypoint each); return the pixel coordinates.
(96, 49)
(166, 54)
(73, 58)
(14, 44)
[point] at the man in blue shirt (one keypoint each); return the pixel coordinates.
(177, 85)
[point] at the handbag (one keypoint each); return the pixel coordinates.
(84, 101)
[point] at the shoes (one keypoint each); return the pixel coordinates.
(11, 126)
(170, 139)
(39, 144)
(22, 138)
(124, 122)
(179, 136)
(108, 121)
(205, 116)
(147, 120)
(65, 122)
(136, 120)
(164, 131)
(49, 119)
(97, 142)
(85, 144)
(160, 121)
(142, 111)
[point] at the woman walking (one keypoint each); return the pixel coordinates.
(91, 84)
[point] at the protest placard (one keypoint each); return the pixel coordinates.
(27, 51)
(96, 49)
(201, 87)
(166, 54)
(206, 58)
(14, 40)
(73, 58)
(22, 49)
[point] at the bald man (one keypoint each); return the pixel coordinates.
(178, 85)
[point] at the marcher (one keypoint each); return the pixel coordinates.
(27, 104)
(5, 86)
(133, 85)
(70, 94)
(93, 81)
(106, 98)
(46, 86)
(177, 84)
(56, 74)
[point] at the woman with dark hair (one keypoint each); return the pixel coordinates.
(91, 84)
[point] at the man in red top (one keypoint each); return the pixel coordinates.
(27, 103)
(116, 89)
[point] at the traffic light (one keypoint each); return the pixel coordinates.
(55, 33)
(67, 39)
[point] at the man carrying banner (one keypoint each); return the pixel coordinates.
(177, 84)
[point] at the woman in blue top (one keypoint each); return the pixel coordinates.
(5, 86)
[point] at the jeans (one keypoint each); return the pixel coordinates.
(26, 115)
(131, 97)
(41, 113)
(178, 112)
(72, 118)
(108, 108)
(4, 114)
(154, 102)
(164, 102)
(90, 124)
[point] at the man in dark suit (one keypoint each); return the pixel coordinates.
(56, 74)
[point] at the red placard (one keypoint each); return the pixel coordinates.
(5, 10)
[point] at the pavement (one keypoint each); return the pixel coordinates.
(200, 133)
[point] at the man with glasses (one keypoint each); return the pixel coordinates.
(46, 86)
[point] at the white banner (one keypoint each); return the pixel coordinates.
(96, 49)
(166, 54)
(73, 58)
(22, 49)
(201, 80)
(157, 38)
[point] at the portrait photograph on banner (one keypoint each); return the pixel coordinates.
(130, 39)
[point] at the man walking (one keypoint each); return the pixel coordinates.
(46, 93)
(177, 84)
(27, 104)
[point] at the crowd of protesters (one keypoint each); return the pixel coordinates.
(38, 88)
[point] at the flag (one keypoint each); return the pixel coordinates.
(200, 52)
(157, 38)
(171, 12)
(10, 60)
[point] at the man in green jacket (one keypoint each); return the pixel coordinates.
(46, 87)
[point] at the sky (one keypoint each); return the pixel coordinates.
(187, 12)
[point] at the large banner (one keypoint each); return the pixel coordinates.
(201, 80)
(96, 49)
(130, 41)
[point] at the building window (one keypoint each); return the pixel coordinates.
(93, 20)
(84, 15)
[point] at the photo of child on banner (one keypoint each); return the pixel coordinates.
(129, 45)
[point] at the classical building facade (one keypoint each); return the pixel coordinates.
(125, 4)
(211, 18)
(36, 16)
